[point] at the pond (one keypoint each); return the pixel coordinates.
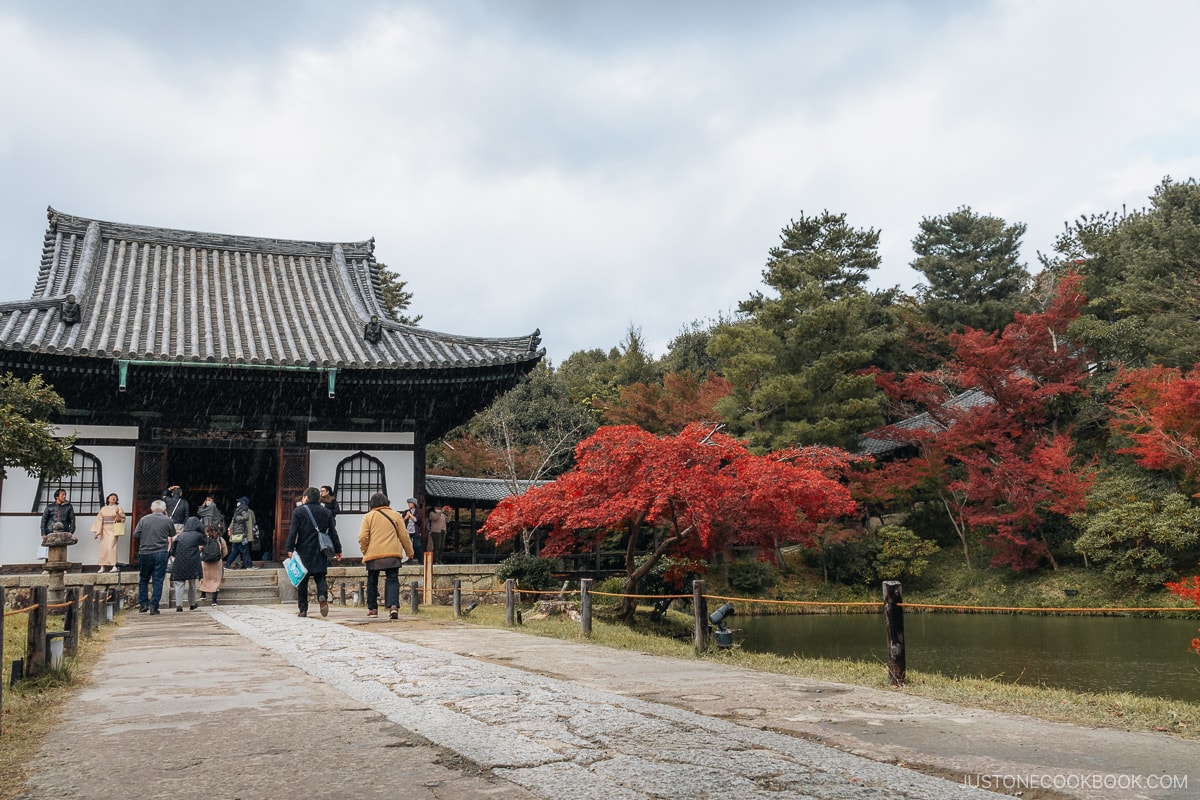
(1084, 653)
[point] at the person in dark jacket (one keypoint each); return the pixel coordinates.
(185, 569)
(60, 510)
(329, 501)
(177, 508)
(241, 532)
(307, 519)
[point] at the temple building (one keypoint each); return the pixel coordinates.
(232, 366)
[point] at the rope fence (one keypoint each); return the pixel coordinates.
(82, 611)
(706, 625)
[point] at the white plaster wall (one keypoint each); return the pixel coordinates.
(19, 535)
(398, 472)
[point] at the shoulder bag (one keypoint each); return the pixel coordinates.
(324, 541)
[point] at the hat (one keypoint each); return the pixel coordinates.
(243, 501)
(412, 500)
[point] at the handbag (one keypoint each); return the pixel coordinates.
(119, 528)
(295, 569)
(324, 541)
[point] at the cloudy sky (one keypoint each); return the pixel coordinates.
(582, 167)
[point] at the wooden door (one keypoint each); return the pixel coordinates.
(149, 482)
(293, 479)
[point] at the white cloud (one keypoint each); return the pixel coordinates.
(582, 168)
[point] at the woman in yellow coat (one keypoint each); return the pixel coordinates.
(105, 529)
(385, 545)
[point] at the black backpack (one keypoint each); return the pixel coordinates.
(212, 549)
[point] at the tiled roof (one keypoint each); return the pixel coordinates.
(489, 490)
(878, 442)
(180, 296)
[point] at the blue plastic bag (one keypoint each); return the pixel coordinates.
(295, 569)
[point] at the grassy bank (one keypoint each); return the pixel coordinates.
(947, 581)
(31, 709)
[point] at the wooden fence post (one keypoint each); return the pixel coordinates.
(2, 623)
(71, 623)
(414, 600)
(510, 602)
(456, 598)
(893, 614)
(35, 644)
(700, 608)
(585, 606)
(427, 571)
(86, 613)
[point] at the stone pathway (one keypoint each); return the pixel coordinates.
(560, 740)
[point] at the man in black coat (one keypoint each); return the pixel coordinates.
(307, 519)
(60, 511)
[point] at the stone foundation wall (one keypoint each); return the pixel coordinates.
(478, 582)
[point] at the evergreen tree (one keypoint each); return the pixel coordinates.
(972, 265)
(795, 361)
(1142, 275)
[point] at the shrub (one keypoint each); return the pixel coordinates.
(531, 572)
(751, 576)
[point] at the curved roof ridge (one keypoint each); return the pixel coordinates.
(206, 240)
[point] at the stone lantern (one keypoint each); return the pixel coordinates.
(56, 563)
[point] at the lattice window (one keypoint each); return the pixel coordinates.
(358, 477)
(85, 489)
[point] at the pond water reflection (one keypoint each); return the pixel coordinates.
(1145, 656)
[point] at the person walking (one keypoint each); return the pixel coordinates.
(307, 520)
(105, 529)
(185, 567)
(152, 535)
(241, 530)
(212, 562)
(179, 509)
(385, 545)
(210, 514)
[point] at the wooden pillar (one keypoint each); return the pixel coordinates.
(86, 612)
(474, 549)
(2, 607)
(893, 614)
(414, 599)
(427, 594)
(35, 644)
(510, 602)
(585, 606)
(71, 623)
(456, 599)
(700, 608)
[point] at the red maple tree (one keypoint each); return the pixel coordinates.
(696, 491)
(993, 455)
(1158, 409)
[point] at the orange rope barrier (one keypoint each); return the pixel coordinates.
(790, 602)
(27, 609)
(645, 596)
(855, 604)
(1054, 609)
